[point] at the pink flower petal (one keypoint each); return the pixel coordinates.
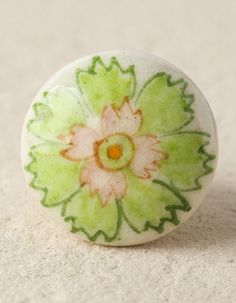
(109, 185)
(82, 141)
(121, 120)
(146, 156)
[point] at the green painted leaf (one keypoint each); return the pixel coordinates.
(164, 104)
(187, 160)
(87, 215)
(102, 85)
(56, 113)
(57, 177)
(150, 204)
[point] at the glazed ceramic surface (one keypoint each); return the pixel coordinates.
(120, 147)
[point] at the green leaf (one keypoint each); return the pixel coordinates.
(187, 160)
(57, 111)
(164, 104)
(87, 215)
(55, 176)
(150, 204)
(102, 85)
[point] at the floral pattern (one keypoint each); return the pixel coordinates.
(109, 155)
(108, 150)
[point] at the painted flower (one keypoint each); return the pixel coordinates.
(111, 147)
(108, 155)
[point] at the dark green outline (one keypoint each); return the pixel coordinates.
(196, 132)
(113, 62)
(99, 232)
(44, 189)
(129, 223)
(208, 157)
(188, 97)
(171, 208)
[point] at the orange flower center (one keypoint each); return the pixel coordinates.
(114, 152)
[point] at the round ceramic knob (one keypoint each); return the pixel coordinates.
(121, 146)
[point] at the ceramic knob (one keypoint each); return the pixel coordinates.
(120, 147)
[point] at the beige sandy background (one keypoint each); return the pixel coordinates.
(38, 263)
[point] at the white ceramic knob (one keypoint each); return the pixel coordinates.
(121, 146)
